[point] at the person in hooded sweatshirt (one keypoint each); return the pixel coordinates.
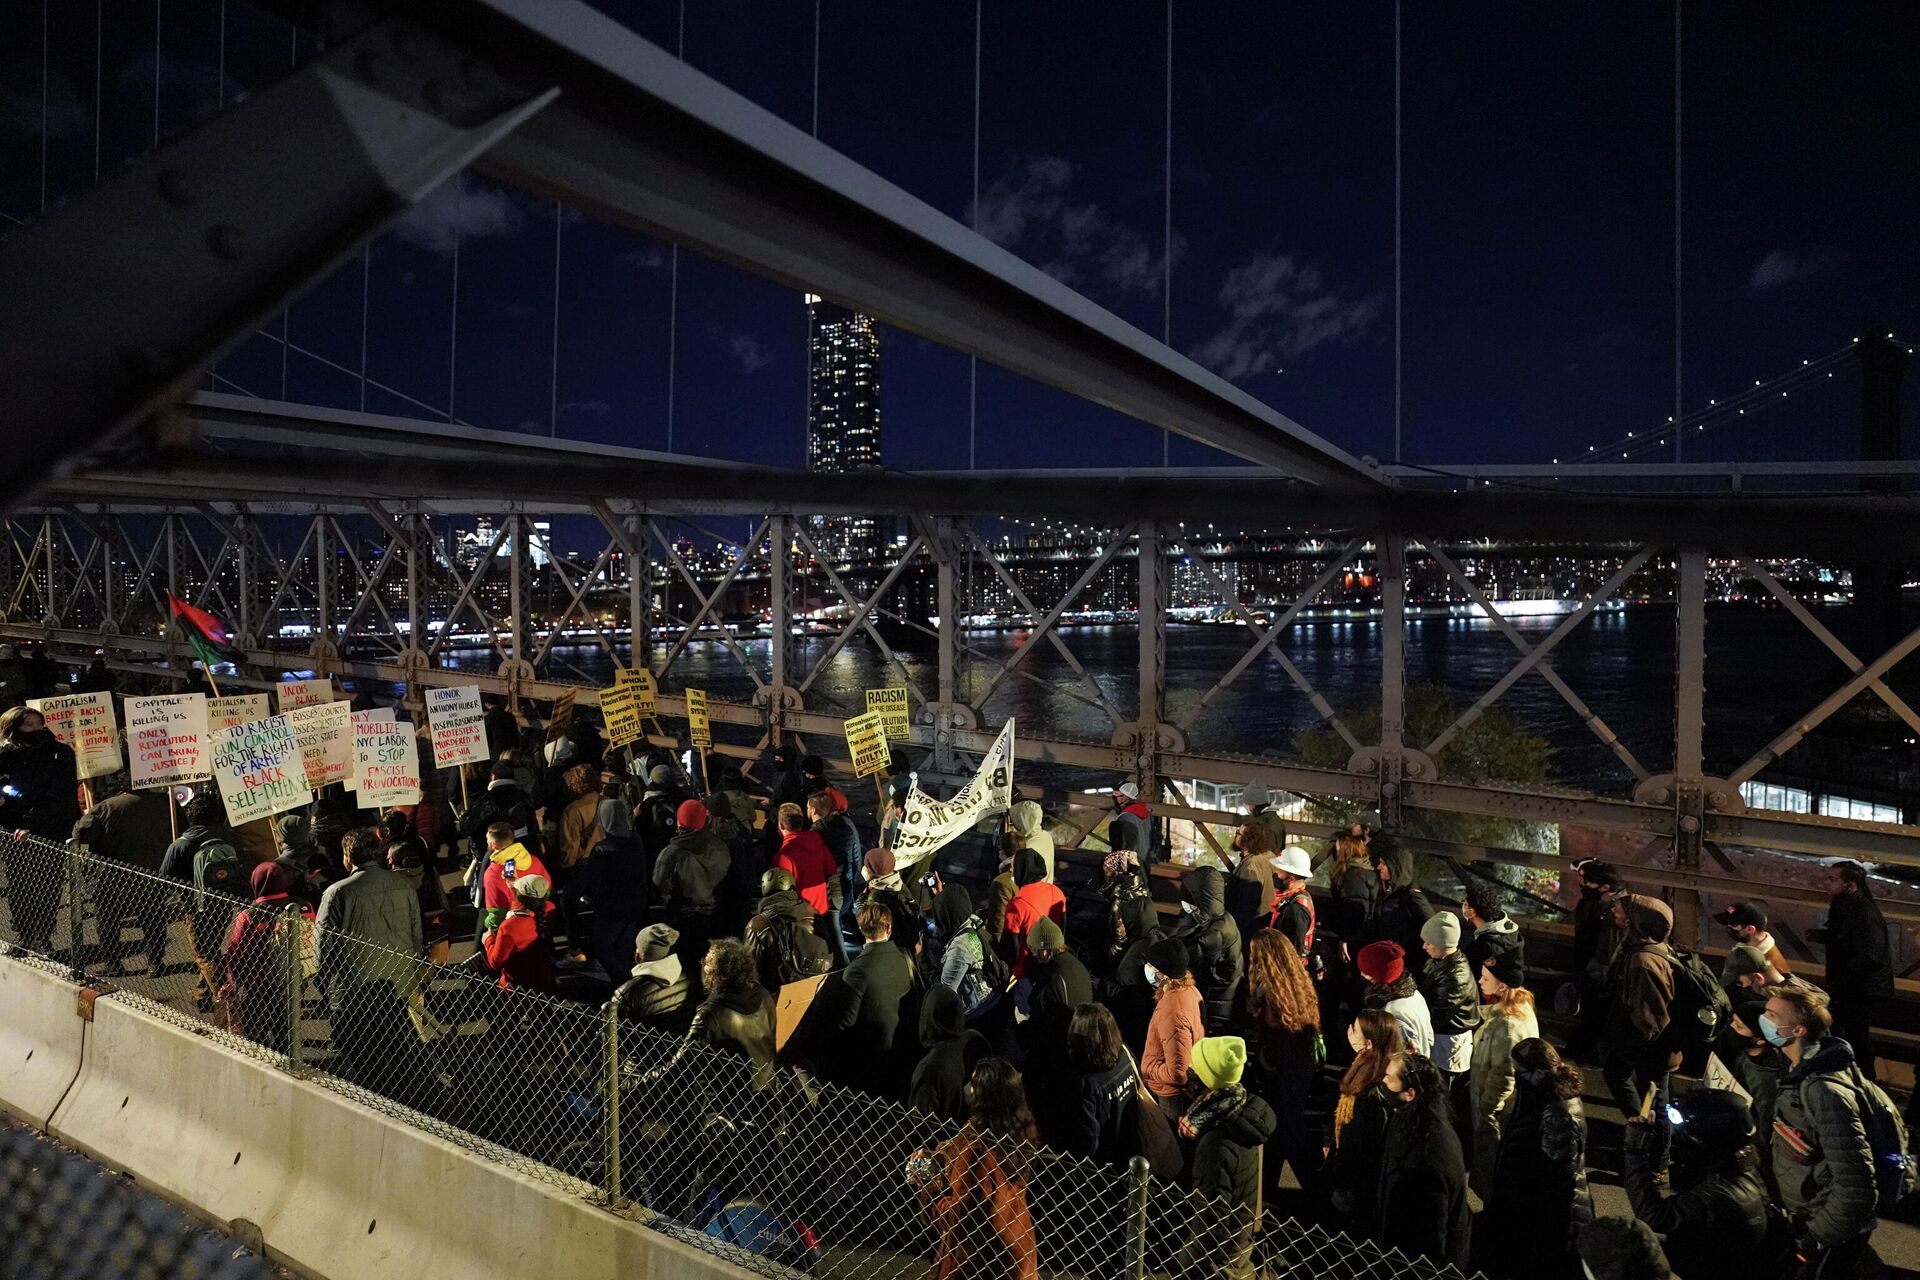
(256, 966)
(1228, 1126)
(1131, 813)
(1212, 941)
(656, 992)
(1055, 985)
(688, 877)
(958, 931)
(1029, 827)
(1402, 908)
(1493, 931)
(1423, 1176)
(952, 1051)
(1634, 1046)
(1034, 899)
(614, 879)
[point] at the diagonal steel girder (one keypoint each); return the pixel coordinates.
(1894, 701)
(709, 603)
(1012, 584)
(1045, 626)
(862, 609)
(1862, 679)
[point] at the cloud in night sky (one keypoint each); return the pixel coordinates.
(1781, 267)
(1033, 212)
(457, 212)
(1276, 310)
(748, 352)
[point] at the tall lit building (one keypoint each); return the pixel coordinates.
(843, 415)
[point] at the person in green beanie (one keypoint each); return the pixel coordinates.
(1227, 1126)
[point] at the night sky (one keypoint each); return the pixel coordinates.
(1538, 172)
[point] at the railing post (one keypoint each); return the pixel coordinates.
(1137, 1174)
(296, 979)
(613, 1104)
(76, 914)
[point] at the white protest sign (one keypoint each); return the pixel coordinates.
(387, 764)
(1718, 1076)
(304, 693)
(362, 720)
(238, 708)
(325, 731)
(167, 740)
(929, 824)
(259, 768)
(84, 721)
(458, 724)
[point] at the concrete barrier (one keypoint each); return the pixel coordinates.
(42, 1036)
(336, 1189)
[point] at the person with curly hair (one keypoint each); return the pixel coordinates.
(1286, 1049)
(973, 1186)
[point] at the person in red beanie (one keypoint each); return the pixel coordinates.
(1391, 987)
(688, 876)
(805, 856)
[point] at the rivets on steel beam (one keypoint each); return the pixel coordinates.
(176, 188)
(223, 238)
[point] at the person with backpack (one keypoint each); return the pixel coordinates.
(1638, 1046)
(1713, 1212)
(969, 965)
(653, 817)
(731, 813)
(204, 857)
(259, 988)
(503, 801)
(836, 830)
(688, 876)
(780, 939)
(1839, 1149)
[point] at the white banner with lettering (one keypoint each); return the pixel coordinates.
(929, 824)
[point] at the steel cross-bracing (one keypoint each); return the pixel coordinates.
(377, 590)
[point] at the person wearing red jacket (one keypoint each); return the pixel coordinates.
(1036, 899)
(816, 876)
(519, 948)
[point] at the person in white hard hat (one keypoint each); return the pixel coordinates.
(1129, 810)
(1292, 904)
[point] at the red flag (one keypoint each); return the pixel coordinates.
(202, 625)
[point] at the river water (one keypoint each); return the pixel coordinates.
(1763, 671)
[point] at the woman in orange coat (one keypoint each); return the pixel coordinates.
(974, 1185)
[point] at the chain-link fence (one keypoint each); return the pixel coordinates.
(751, 1159)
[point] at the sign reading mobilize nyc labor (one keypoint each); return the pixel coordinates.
(386, 764)
(84, 721)
(260, 769)
(867, 743)
(893, 708)
(929, 824)
(621, 716)
(362, 720)
(167, 740)
(699, 728)
(458, 724)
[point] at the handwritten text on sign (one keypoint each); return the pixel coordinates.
(867, 743)
(167, 740)
(259, 768)
(239, 708)
(325, 731)
(84, 721)
(304, 693)
(387, 764)
(459, 725)
(363, 720)
(928, 824)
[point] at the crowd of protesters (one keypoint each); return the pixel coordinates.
(1389, 1052)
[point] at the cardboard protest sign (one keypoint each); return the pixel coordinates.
(167, 740)
(259, 768)
(458, 724)
(325, 731)
(867, 744)
(894, 710)
(928, 824)
(621, 716)
(640, 680)
(239, 708)
(386, 764)
(304, 693)
(85, 722)
(794, 1001)
(699, 728)
(562, 714)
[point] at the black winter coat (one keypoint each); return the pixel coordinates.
(952, 1051)
(1859, 962)
(1423, 1192)
(1500, 937)
(1716, 1227)
(1233, 1126)
(132, 828)
(1213, 942)
(1353, 1169)
(1453, 997)
(1540, 1200)
(1096, 1121)
(41, 781)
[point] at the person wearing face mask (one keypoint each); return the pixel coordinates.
(1360, 1113)
(1423, 1177)
(1756, 1064)
(1213, 940)
(1510, 1022)
(1391, 987)
(1178, 1023)
(39, 805)
(1596, 941)
(1538, 1201)
(1823, 1163)
(1713, 1214)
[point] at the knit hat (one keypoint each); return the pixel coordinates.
(656, 942)
(879, 864)
(1169, 956)
(1442, 929)
(293, 830)
(1255, 794)
(691, 815)
(1743, 960)
(1045, 935)
(661, 775)
(1381, 962)
(1295, 861)
(1508, 967)
(1219, 1060)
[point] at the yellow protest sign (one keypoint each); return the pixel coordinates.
(699, 728)
(892, 707)
(640, 681)
(562, 715)
(622, 719)
(867, 744)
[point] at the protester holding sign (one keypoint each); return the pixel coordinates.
(37, 804)
(167, 740)
(84, 721)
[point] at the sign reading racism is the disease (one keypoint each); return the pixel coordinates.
(258, 765)
(84, 721)
(167, 740)
(893, 708)
(459, 725)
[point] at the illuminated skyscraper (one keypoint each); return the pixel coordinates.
(843, 415)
